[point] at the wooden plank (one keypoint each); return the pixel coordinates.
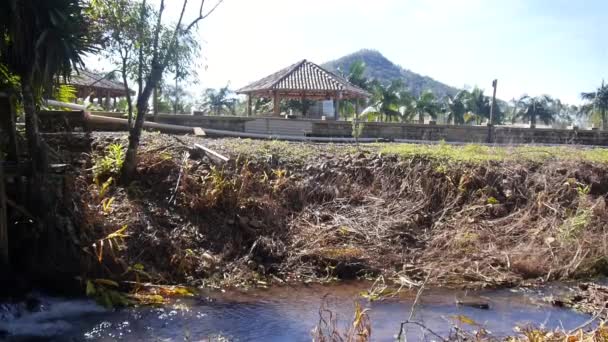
(212, 154)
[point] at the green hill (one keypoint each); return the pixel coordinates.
(380, 68)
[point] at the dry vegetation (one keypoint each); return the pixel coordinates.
(281, 212)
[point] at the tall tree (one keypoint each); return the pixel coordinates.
(356, 76)
(385, 99)
(161, 54)
(120, 31)
(597, 101)
(426, 104)
(455, 107)
(217, 101)
(540, 108)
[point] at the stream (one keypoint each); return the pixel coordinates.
(278, 314)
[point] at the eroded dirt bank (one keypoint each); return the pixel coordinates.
(283, 212)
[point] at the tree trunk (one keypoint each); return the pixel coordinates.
(604, 123)
(533, 121)
(4, 260)
(37, 195)
(130, 163)
(155, 102)
(126, 86)
(176, 97)
(35, 145)
(9, 126)
(421, 118)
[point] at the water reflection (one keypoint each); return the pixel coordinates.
(281, 314)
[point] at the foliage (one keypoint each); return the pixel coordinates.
(110, 163)
(425, 104)
(597, 102)
(473, 153)
(301, 106)
(455, 107)
(532, 108)
(43, 38)
(217, 101)
(112, 243)
(387, 100)
(105, 292)
(65, 93)
(379, 68)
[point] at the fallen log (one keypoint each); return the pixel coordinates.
(97, 122)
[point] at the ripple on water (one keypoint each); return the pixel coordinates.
(278, 314)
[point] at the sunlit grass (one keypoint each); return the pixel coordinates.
(473, 153)
(469, 153)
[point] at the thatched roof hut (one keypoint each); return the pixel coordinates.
(97, 86)
(303, 80)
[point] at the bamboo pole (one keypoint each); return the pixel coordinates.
(4, 260)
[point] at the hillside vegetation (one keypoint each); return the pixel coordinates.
(380, 68)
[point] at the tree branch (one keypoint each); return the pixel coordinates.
(157, 33)
(141, 48)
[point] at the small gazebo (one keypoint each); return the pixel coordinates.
(98, 87)
(302, 81)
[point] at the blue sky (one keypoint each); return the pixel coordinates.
(532, 46)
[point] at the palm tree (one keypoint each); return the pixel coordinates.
(533, 108)
(407, 102)
(386, 100)
(455, 107)
(597, 102)
(217, 101)
(478, 105)
(41, 39)
(425, 104)
(356, 76)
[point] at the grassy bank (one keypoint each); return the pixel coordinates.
(469, 216)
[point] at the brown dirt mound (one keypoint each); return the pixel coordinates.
(326, 211)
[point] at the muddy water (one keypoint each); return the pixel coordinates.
(278, 314)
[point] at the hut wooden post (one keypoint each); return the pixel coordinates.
(4, 261)
(106, 105)
(275, 102)
(337, 108)
(248, 104)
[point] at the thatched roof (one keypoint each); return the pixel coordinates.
(304, 79)
(98, 84)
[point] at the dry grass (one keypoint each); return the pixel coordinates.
(316, 212)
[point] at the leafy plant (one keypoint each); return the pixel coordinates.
(111, 163)
(114, 241)
(106, 205)
(105, 186)
(105, 292)
(65, 93)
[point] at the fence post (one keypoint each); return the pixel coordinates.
(491, 123)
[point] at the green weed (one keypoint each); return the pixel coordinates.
(573, 226)
(111, 162)
(475, 153)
